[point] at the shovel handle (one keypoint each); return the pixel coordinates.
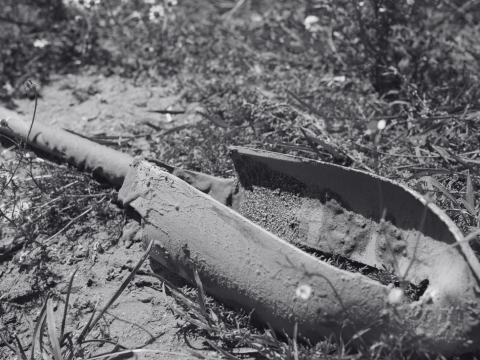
(80, 152)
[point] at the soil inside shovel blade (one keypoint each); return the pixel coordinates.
(337, 210)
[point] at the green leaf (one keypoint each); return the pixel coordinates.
(52, 331)
(443, 189)
(64, 318)
(468, 206)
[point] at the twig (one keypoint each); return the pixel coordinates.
(70, 223)
(396, 155)
(22, 154)
(229, 13)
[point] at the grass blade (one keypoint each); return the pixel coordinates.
(214, 119)
(443, 153)
(443, 189)
(176, 292)
(86, 328)
(5, 342)
(115, 351)
(38, 325)
(19, 349)
(43, 350)
(139, 351)
(468, 206)
(460, 161)
(201, 295)
(327, 147)
(470, 194)
(120, 289)
(427, 171)
(221, 351)
(311, 144)
(291, 146)
(176, 128)
(52, 331)
(64, 318)
(304, 104)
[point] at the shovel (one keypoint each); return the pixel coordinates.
(255, 241)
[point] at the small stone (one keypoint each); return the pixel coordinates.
(145, 298)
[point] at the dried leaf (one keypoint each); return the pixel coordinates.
(442, 152)
(175, 129)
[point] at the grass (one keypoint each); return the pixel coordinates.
(65, 345)
(387, 87)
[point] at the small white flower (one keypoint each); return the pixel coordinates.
(30, 155)
(382, 9)
(23, 257)
(395, 296)
(151, 2)
(381, 124)
(40, 43)
(8, 88)
(156, 13)
(310, 21)
(256, 18)
(136, 15)
(303, 291)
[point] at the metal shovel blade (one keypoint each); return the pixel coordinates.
(352, 213)
(246, 266)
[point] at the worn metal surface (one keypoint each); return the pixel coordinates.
(338, 210)
(248, 267)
